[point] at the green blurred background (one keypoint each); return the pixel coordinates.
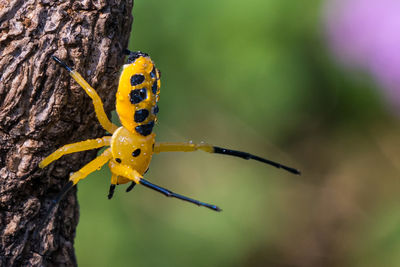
(256, 76)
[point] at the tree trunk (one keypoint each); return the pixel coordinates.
(42, 108)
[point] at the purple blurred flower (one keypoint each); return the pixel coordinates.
(366, 33)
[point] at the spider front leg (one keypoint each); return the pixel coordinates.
(131, 174)
(82, 173)
(75, 147)
(189, 147)
(98, 104)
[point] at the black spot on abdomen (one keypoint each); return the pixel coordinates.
(153, 72)
(138, 95)
(137, 79)
(154, 87)
(145, 129)
(141, 115)
(155, 109)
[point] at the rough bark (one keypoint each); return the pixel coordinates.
(42, 108)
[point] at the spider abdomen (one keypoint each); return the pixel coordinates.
(138, 94)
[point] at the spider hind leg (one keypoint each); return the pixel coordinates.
(131, 174)
(168, 193)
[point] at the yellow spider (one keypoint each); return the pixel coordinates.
(132, 145)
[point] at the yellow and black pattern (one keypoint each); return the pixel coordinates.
(138, 94)
(132, 145)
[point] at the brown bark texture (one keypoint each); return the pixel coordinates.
(42, 108)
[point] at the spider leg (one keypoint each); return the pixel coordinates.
(130, 187)
(129, 173)
(98, 104)
(111, 191)
(189, 147)
(114, 179)
(92, 166)
(168, 193)
(75, 147)
(77, 176)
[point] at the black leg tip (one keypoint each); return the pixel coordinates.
(23, 177)
(111, 192)
(131, 186)
(292, 170)
(56, 59)
(245, 155)
(216, 208)
(59, 61)
(64, 191)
